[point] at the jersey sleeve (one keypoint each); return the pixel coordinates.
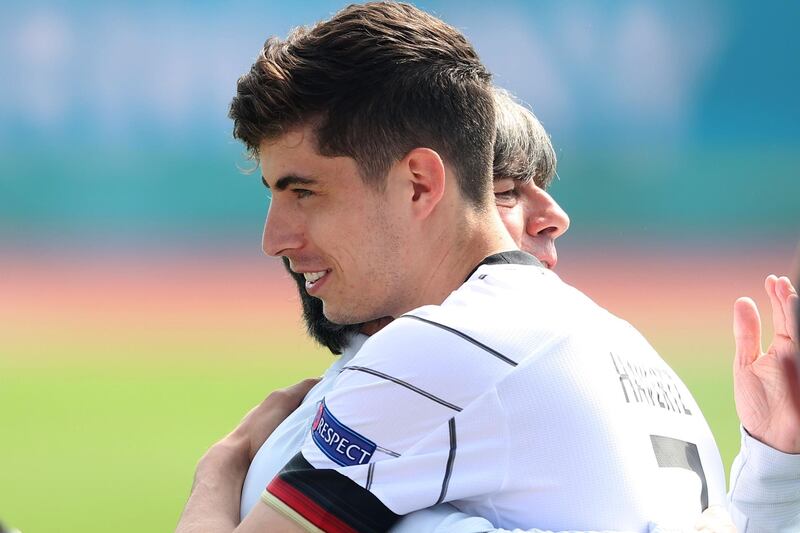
(765, 488)
(385, 440)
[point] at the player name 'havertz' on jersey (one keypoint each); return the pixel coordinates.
(517, 399)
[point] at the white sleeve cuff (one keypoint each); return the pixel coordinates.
(765, 488)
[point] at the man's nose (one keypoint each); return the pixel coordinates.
(282, 231)
(546, 218)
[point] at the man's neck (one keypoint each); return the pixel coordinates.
(374, 326)
(478, 236)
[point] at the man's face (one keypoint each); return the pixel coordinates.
(345, 236)
(532, 217)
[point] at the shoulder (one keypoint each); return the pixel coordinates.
(501, 315)
(424, 359)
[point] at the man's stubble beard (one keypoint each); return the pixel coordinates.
(387, 285)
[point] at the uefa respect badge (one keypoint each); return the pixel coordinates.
(341, 444)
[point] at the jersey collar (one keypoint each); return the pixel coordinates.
(511, 257)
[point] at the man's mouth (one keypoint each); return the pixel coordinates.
(312, 278)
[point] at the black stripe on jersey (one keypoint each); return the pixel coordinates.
(338, 495)
(451, 458)
(402, 383)
(370, 474)
(387, 451)
(465, 337)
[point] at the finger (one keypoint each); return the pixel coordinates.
(788, 299)
(288, 397)
(299, 390)
(789, 286)
(746, 332)
(307, 384)
(778, 316)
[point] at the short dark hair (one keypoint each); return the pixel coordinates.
(522, 149)
(335, 337)
(376, 81)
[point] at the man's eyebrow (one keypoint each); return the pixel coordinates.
(287, 181)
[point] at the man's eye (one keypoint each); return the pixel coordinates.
(302, 193)
(510, 195)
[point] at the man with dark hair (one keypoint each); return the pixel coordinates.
(523, 156)
(374, 132)
(524, 166)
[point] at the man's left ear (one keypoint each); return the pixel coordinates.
(428, 178)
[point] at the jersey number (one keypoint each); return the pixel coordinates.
(674, 453)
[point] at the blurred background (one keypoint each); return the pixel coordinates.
(139, 319)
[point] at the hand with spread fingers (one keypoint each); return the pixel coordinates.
(765, 383)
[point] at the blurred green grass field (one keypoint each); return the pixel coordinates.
(112, 447)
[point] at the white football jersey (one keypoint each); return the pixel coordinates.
(517, 399)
